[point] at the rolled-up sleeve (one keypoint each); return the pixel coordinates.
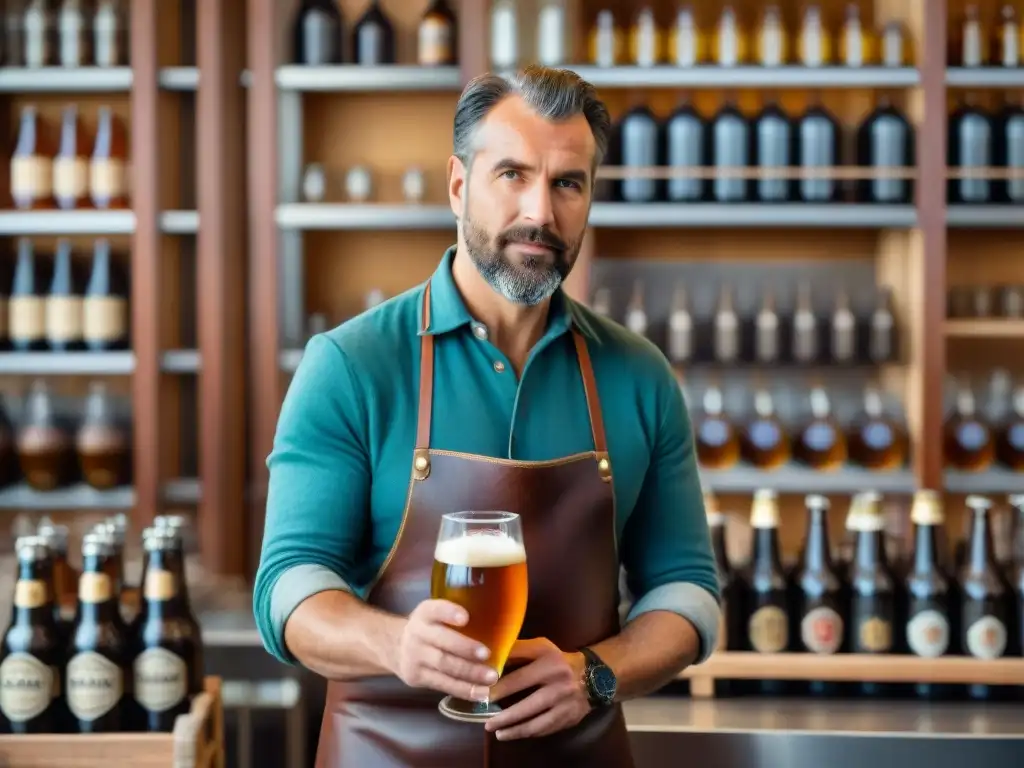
(666, 545)
(318, 498)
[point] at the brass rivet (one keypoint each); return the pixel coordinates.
(421, 462)
(603, 465)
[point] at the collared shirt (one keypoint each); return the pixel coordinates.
(342, 457)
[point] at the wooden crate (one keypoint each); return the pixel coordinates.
(953, 670)
(197, 742)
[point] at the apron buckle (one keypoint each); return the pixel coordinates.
(604, 467)
(420, 464)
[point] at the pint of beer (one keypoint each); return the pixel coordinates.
(480, 564)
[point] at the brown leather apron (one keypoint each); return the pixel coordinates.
(568, 519)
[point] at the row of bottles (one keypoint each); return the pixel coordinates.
(72, 166)
(358, 185)
(74, 661)
(60, 304)
(862, 600)
(980, 141)
(874, 440)
(976, 439)
(984, 301)
(47, 449)
(733, 158)
(771, 336)
(321, 39)
(65, 33)
(978, 42)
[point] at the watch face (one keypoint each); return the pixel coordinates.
(603, 683)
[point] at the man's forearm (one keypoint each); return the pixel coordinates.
(338, 636)
(649, 652)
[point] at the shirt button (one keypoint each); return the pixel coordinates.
(480, 331)
(499, 366)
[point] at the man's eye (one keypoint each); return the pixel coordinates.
(510, 174)
(568, 183)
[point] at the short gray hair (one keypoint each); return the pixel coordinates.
(554, 94)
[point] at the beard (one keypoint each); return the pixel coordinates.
(527, 281)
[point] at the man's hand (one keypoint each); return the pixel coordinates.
(430, 654)
(559, 702)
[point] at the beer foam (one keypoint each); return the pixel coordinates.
(480, 551)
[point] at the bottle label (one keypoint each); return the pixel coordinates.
(26, 687)
(504, 53)
(972, 44)
(686, 41)
(928, 634)
(875, 635)
(1011, 45)
(70, 178)
(160, 585)
(854, 44)
(986, 638)
(104, 318)
(771, 44)
(30, 594)
(95, 685)
(646, 40)
(728, 45)
(435, 42)
(27, 316)
(107, 179)
(892, 47)
(31, 177)
(64, 318)
(94, 587)
(769, 630)
(551, 36)
(161, 679)
(604, 41)
(822, 630)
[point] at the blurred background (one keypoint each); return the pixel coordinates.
(816, 210)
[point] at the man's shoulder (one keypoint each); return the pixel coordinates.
(381, 332)
(611, 343)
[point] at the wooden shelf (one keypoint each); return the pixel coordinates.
(748, 77)
(90, 222)
(354, 78)
(984, 328)
(985, 216)
(997, 480)
(984, 77)
(90, 79)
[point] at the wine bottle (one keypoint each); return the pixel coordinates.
(71, 165)
(437, 43)
(64, 303)
(105, 304)
(108, 174)
(373, 38)
(26, 306)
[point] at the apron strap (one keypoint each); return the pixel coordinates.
(426, 401)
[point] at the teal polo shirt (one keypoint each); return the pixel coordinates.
(342, 456)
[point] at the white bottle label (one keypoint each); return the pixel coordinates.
(768, 630)
(686, 40)
(892, 47)
(27, 315)
(104, 318)
(822, 630)
(604, 43)
(1011, 45)
(728, 49)
(771, 43)
(504, 54)
(64, 319)
(986, 638)
(646, 44)
(928, 634)
(95, 685)
(551, 35)
(161, 679)
(26, 687)
(972, 44)
(854, 44)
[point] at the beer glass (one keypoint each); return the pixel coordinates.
(480, 564)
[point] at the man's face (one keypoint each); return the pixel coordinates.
(525, 202)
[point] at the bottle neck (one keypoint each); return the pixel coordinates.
(870, 550)
(817, 556)
(766, 549)
(101, 612)
(979, 555)
(926, 548)
(718, 547)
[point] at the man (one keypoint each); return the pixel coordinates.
(488, 388)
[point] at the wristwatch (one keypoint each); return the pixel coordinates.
(598, 679)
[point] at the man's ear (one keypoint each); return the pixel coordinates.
(456, 185)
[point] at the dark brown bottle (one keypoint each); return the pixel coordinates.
(26, 307)
(65, 577)
(971, 152)
(844, 330)
(1010, 436)
(985, 599)
(177, 527)
(766, 597)
(8, 453)
(805, 326)
(373, 38)
(821, 444)
(110, 34)
(32, 655)
(968, 442)
(14, 33)
(104, 447)
(763, 442)
(731, 150)
(718, 445)
(882, 340)
(730, 628)
(6, 272)
(818, 615)
(872, 591)
(108, 168)
(726, 339)
(168, 658)
(1016, 572)
(64, 303)
(105, 304)
(98, 658)
(74, 41)
(32, 162)
(40, 29)
(318, 33)
(71, 165)
(931, 601)
(437, 42)
(767, 348)
(885, 143)
(680, 341)
(44, 445)
(877, 442)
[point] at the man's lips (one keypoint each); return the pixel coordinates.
(536, 248)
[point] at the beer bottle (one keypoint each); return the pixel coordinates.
(176, 525)
(985, 599)
(728, 585)
(32, 655)
(820, 607)
(849, 543)
(930, 596)
(1016, 572)
(98, 651)
(872, 591)
(65, 577)
(168, 654)
(766, 610)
